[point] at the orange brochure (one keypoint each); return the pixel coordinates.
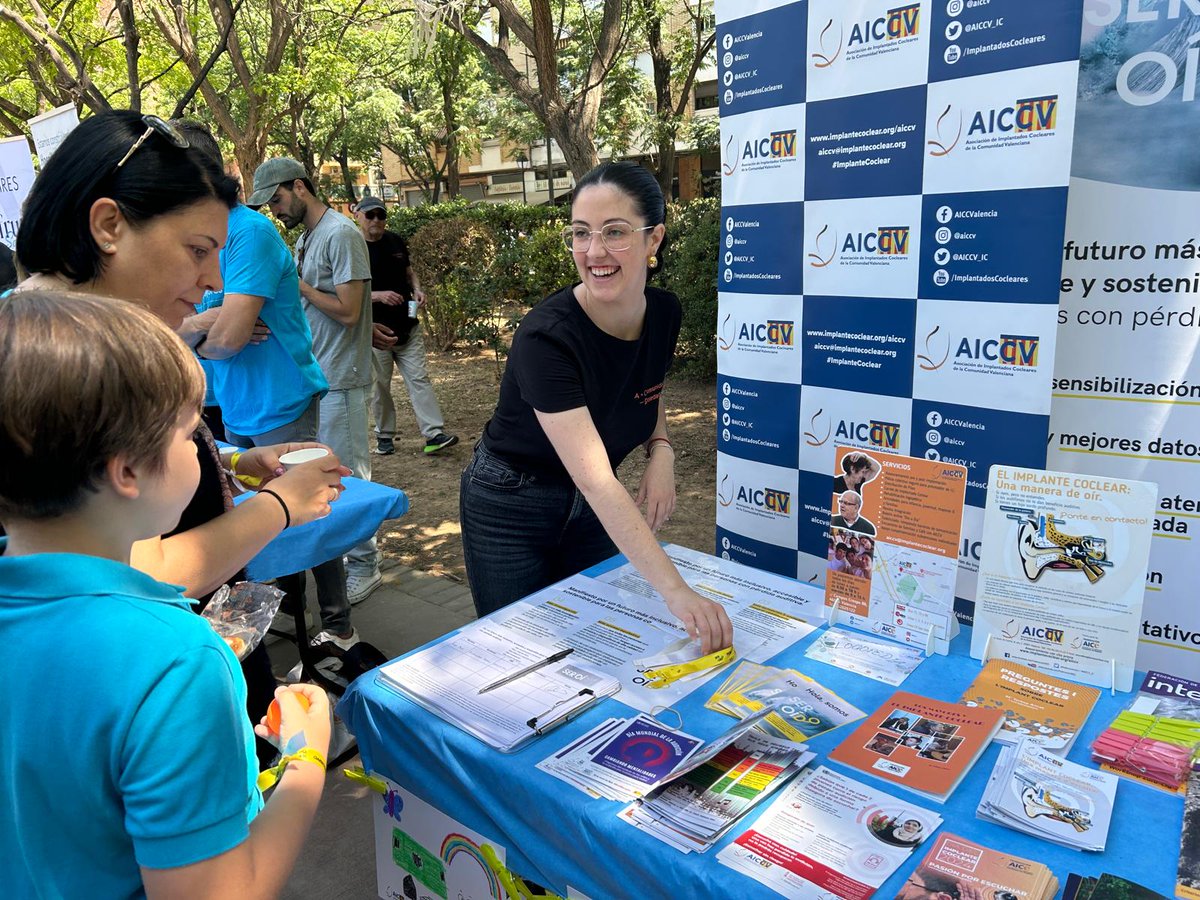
(893, 545)
(1048, 711)
(960, 867)
(925, 745)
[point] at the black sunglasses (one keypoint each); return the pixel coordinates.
(164, 129)
(376, 214)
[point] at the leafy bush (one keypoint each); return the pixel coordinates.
(452, 257)
(690, 271)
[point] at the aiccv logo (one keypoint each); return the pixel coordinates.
(877, 433)
(754, 498)
(886, 240)
(1015, 350)
(777, 333)
(1024, 117)
(765, 151)
(897, 23)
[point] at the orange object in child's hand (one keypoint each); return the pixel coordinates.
(273, 713)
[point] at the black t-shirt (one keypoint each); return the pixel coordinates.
(389, 272)
(562, 360)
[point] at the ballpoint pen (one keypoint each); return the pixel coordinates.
(532, 667)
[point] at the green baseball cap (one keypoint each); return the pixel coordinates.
(271, 175)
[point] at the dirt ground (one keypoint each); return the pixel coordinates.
(467, 384)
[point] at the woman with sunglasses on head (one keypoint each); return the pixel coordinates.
(540, 499)
(126, 209)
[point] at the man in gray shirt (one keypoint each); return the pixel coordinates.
(335, 290)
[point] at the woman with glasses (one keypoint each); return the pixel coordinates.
(582, 389)
(126, 209)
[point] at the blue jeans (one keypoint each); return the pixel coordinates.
(330, 576)
(520, 533)
(344, 427)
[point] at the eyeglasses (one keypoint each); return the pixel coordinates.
(377, 214)
(155, 125)
(615, 237)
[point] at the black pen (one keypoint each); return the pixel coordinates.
(533, 667)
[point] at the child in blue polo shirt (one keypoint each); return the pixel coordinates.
(127, 765)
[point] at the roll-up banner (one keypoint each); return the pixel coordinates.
(894, 190)
(1126, 393)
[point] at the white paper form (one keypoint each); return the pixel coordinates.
(447, 678)
(828, 835)
(612, 628)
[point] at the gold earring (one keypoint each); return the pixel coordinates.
(652, 261)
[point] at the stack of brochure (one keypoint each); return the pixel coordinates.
(1035, 791)
(1108, 887)
(962, 868)
(801, 708)
(622, 759)
(926, 745)
(826, 835)
(699, 804)
(1046, 710)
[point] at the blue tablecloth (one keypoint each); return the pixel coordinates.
(559, 836)
(354, 517)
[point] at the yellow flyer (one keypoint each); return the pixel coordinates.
(893, 546)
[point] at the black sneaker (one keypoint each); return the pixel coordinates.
(384, 447)
(440, 442)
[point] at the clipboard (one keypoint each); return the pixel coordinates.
(446, 679)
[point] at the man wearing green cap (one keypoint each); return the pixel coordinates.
(335, 290)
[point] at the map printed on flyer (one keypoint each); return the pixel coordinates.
(893, 545)
(828, 835)
(1063, 571)
(616, 630)
(865, 655)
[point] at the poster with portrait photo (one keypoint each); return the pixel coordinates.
(894, 535)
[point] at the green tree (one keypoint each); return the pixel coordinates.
(680, 35)
(570, 49)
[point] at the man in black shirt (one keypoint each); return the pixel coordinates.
(395, 297)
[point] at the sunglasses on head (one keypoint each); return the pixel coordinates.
(376, 214)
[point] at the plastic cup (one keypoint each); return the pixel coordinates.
(296, 457)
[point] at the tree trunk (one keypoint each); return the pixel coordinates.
(452, 186)
(343, 158)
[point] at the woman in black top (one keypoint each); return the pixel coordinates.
(540, 498)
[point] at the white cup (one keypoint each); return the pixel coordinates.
(296, 457)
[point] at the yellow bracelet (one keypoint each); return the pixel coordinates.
(268, 777)
(251, 481)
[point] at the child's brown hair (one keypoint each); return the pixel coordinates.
(83, 379)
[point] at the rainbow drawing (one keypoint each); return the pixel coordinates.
(456, 844)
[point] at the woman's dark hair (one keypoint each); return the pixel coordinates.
(55, 234)
(640, 185)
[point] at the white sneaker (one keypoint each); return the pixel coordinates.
(342, 643)
(360, 587)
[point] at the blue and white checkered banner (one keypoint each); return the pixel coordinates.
(894, 189)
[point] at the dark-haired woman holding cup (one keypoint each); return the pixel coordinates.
(582, 389)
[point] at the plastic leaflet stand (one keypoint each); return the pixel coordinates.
(242, 614)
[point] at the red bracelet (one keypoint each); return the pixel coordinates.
(657, 440)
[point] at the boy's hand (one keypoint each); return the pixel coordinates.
(299, 727)
(263, 462)
(309, 488)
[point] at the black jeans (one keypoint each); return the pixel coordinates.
(520, 533)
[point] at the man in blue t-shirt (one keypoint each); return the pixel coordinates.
(269, 391)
